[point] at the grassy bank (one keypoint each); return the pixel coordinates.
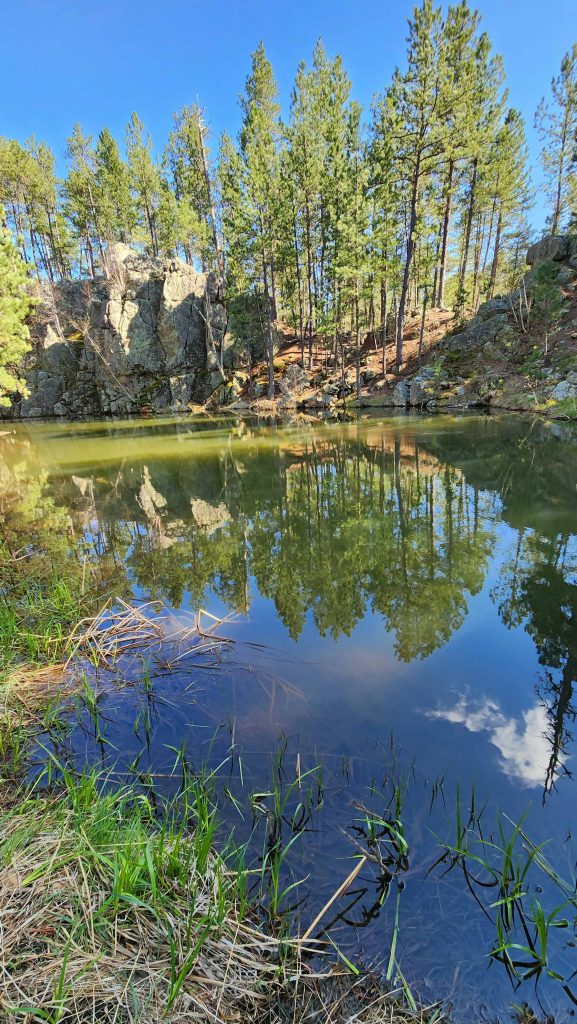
(116, 906)
(114, 909)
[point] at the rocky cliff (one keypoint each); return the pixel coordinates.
(151, 335)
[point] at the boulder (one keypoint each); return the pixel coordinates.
(565, 389)
(420, 390)
(294, 381)
(492, 307)
(477, 333)
(401, 394)
(552, 247)
(417, 393)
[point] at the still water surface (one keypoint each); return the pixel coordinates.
(403, 597)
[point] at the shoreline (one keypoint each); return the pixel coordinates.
(121, 902)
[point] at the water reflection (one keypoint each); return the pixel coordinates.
(522, 742)
(419, 577)
(329, 525)
(538, 591)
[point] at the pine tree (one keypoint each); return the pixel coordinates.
(352, 264)
(145, 180)
(484, 113)
(557, 124)
(116, 213)
(508, 187)
(29, 192)
(80, 189)
(386, 229)
(461, 49)
(421, 107)
(15, 307)
(259, 137)
(187, 160)
(317, 137)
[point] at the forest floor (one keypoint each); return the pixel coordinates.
(520, 373)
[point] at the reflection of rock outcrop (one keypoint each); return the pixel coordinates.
(149, 499)
(209, 517)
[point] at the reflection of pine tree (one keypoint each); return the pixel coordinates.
(537, 590)
(328, 527)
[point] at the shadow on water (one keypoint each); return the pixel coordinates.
(403, 599)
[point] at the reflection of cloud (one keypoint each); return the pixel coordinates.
(522, 742)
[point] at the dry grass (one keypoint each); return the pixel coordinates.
(113, 912)
(99, 920)
(120, 629)
(108, 915)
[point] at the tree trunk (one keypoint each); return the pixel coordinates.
(422, 330)
(309, 280)
(495, 261)
(269, 313)
(558, 194)
(357, 341)
(467, 239)
(299, 289)
(215, 239)
(480, 235)
(408, 264)
(273, 283)
(151, 230)
(270, 339)
(445, 236)
(384, 320)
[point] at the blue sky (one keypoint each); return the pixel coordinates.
(95, 61)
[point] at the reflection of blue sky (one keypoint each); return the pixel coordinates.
(522, 742)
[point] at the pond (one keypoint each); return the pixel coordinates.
(402, 597)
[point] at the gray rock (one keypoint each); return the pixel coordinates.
(477, 334)
(552, 247)
(565, 389)
(328, 400)
(417, 394)
(492, 307)
(566, 276)
(32, 413)
(60, 409)
(294, 381)
(401, 394)
(420, 386)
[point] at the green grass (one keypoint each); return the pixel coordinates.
(503, 872)
(36, 621)
(117, 905)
